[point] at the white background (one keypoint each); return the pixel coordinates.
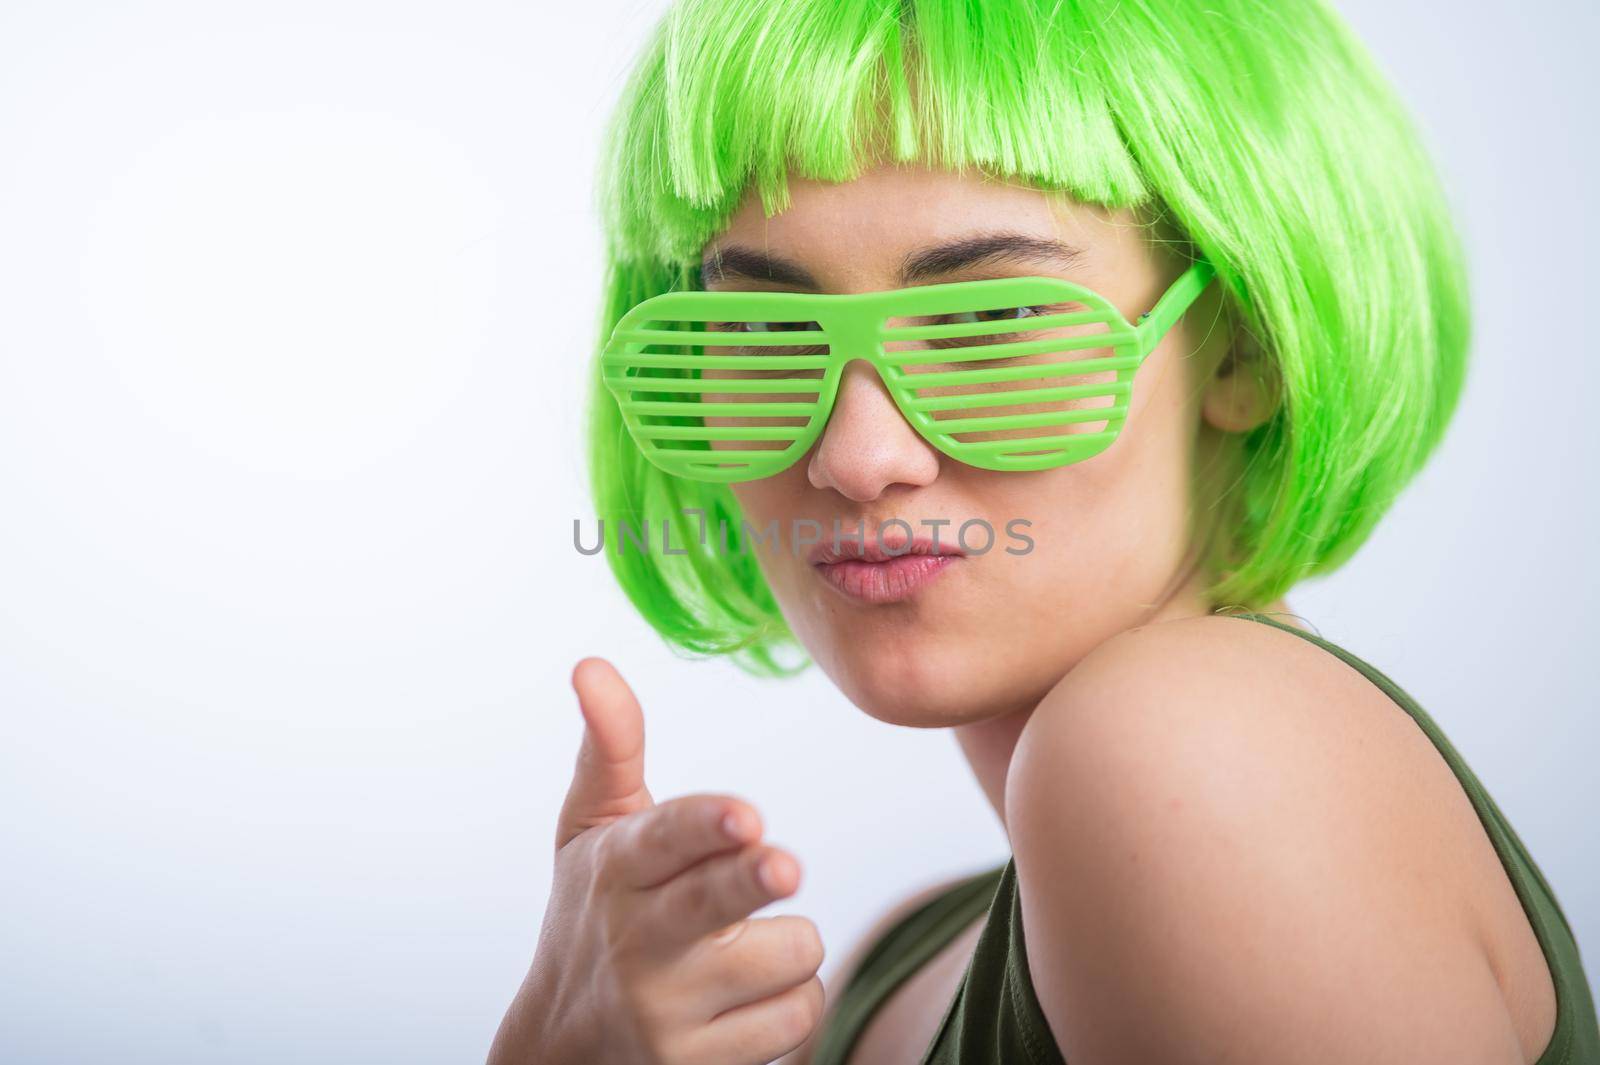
(295, 301)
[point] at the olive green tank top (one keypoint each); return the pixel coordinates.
(994, 1018)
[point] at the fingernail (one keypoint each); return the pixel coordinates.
(733, 825)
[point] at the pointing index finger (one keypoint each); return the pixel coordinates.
(662, 842)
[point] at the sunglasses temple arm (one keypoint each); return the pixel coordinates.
(1153, 325)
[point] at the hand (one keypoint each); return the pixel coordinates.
(647, 954)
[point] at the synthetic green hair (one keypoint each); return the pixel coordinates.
(1261, 129)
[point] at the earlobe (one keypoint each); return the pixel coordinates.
(1244, 392)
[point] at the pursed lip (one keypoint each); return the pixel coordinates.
(882, 573)
(825, 553)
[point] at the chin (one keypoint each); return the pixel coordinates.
(918, 680)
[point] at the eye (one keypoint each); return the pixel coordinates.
(762, 327)
(1008, 314)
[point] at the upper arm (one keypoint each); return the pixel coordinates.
(851, 960)
(1225, 849)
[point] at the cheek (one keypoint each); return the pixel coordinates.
(1113, 529)
(776, 501)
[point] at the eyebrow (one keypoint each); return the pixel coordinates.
(737, 261)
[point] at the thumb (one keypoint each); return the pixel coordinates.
(608, 779)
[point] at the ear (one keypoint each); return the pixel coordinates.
(1246, 388)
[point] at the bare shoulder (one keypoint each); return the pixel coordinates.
(851, 961)
(1241, 690)
(1222, 825)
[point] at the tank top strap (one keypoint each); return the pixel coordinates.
(908, 944)
(1576, 1036)
(995, 1017)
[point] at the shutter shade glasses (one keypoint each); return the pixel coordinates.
(1026, 373)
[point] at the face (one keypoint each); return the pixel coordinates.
(954, 639)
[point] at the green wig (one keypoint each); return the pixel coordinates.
(1260, 129)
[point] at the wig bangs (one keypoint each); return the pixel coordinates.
(736, 97)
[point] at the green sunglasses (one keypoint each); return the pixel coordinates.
(735, 386)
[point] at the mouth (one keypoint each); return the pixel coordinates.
(879, 573)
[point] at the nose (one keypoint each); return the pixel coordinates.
(867, 444)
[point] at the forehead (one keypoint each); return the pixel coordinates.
(866, 226)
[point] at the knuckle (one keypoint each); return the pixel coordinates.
(805, 945)
(655, 833)
(798, 1014)
(604, 854)
(818, 999)
(699, 808)
(607, 843)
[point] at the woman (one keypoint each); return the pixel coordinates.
(1228, 842)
